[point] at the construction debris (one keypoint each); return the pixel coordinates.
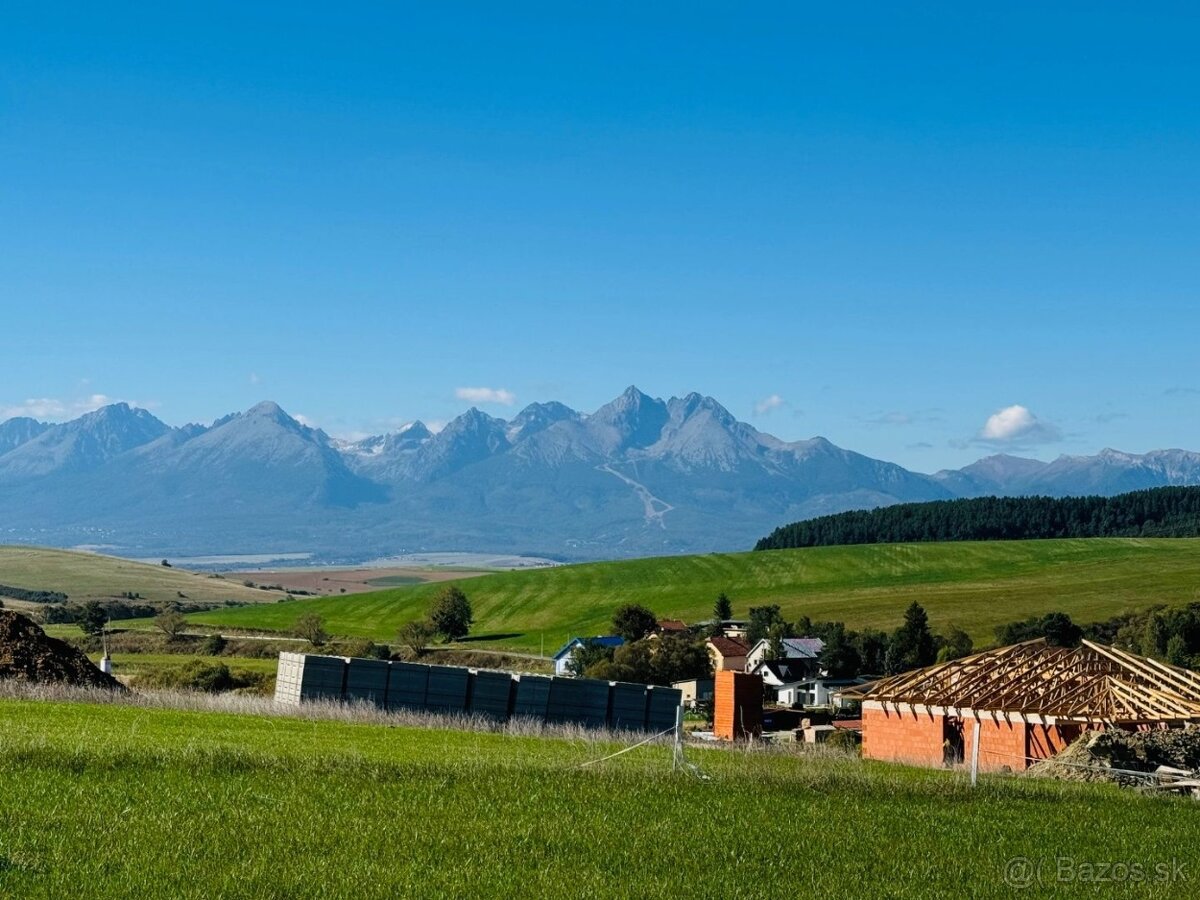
(1157, 757)
(27, 654)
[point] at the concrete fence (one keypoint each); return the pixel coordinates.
(454, 689)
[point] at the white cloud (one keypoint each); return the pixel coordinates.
(254, 379)
(766, 404)
(304, 420)
(501, 396)
(53, 410)
(1016, 425)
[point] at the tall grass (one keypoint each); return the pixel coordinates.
(354, 713)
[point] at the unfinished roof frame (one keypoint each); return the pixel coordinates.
(1035, 682)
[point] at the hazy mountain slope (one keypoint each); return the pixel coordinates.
(84, 444)
(638, 476)
(18, 431)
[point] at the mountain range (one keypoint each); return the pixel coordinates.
(638, 476)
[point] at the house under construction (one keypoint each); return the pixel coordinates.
(1025, 702)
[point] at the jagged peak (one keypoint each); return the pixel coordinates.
(413, 428)
(267, 409)
(23, 422)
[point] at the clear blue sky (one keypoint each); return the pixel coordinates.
(894, 221)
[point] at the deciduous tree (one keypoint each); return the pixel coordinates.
(170, 623)
(632, 621)
(311, 627)
(451, 613)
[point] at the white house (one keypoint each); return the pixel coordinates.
(562, 659)
(780, 673)
(799, 682)
(815, 692)
(793, 648)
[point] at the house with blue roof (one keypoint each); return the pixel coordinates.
(562, 659)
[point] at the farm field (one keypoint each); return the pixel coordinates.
(90, 576)
(114, 801)
(351, 581)
(973, 585)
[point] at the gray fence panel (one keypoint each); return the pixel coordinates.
(580, 700)
(627, 706)
(407, 685)
(453, 689)
(323, 677)
(491, 694)
(448, 689)
(532, 696)
(367, 679)
(662, 705)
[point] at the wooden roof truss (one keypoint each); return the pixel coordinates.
(1086, 683)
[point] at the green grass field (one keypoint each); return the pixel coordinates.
(112, 801)
(133, 664)
(973, 585)
(89, 576)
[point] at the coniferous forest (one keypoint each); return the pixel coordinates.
(1160, 512)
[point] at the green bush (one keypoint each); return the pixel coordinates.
(211, 678)
(367, 649)
(214, 645)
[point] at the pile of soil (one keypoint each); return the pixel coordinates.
(27, 654)
(1137, 751)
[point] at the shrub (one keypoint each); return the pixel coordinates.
(416, 635)
(211, 678)
(367, 649)
(214, 645)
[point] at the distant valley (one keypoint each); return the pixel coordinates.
(639, 476)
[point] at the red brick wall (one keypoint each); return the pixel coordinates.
(737, 705)
(917, 738)
(1001, 743)
(908, 737)
(1047, 740)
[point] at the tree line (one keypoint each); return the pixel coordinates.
(31, 596)
(1160, 512)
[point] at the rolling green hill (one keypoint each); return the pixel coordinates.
(90, 576)
(973, 585)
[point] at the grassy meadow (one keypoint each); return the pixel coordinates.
(90, 576)
(132, 665)
(973, 585)
(122, 801)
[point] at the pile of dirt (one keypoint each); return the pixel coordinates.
(27, 654)
(1096, 755)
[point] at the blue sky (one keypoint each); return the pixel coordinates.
(883, 225)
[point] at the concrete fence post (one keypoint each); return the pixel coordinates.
(975, 753)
